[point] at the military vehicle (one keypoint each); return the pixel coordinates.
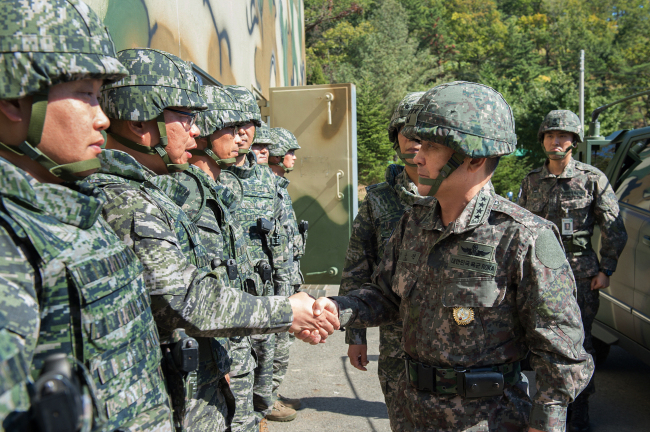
(624, 314)
(261, 45)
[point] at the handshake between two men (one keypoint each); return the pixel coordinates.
(313, 320)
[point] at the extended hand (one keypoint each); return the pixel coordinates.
(601, 280)
(308, 326)
(358, 355)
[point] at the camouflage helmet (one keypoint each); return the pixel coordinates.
(222, 112)
(247, 100)
(561, 120)
(398, 120)
(263, 135)
(157, 80)
(472, 119)
(285, 142)
(47, 43)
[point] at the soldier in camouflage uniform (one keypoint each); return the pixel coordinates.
(287, 281)
(153, 122)
(247, 128)
(477, 281)
(261, 216)
(381, 210)
(575, 196)
(74, 299)
(211, 203)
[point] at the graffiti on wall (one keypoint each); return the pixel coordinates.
(254, 43)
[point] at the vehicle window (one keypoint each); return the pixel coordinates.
(634, 183)
(601, 156)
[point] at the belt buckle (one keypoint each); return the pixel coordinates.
(460, 380)
(426, 378)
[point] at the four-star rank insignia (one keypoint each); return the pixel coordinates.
(463, 315)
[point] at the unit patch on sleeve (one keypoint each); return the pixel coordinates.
(408, 256)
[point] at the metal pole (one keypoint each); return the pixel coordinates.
(582, 89)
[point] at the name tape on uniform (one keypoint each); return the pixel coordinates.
(473, 264)
(408, 256)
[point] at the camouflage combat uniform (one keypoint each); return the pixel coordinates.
(378, 216)
(384, 205)
(210, 205)
(260, 199)
(68, 284)
(288, 279)
(144, 210)
(583, 194)
(477, 295)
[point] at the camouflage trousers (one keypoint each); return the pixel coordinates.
(588, 301)
(423, 411)
(283, 342)
(244, 418)
(389, 370)
(264, 346)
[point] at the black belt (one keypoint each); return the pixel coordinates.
(469, 383)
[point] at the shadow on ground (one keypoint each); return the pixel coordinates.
(347, 406)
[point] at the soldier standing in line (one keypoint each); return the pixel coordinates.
(75, 315)
(478, 282)
(378, 216)
(287, 281)
(152, 132)
(261, 216)
(246, 130)
(212, 203)
(576, 196)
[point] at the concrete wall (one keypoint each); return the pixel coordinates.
(255, 43)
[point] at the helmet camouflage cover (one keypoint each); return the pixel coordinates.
(156, 80)
(222, 112)
(248, 102)
(472, 119)
(43, 43)
(285, 142)
(398, 119)
(561, 120)
(263, 135)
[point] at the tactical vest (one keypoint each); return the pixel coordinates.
(260, 200)
(94, 303)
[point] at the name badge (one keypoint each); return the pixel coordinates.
(408, 256)
(567, 226)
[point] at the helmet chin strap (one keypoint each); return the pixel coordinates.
(281, 164)
(560, 154)
(67, 172)
(223, 163)
(243, 151)
(158, 149)
(452, 164)
(404, 156)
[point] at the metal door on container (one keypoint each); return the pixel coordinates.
(324, 181)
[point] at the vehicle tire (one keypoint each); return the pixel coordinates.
(602, 351)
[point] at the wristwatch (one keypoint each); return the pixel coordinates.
(608, 273)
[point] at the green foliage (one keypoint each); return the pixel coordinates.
(509, 174)
(526, 49)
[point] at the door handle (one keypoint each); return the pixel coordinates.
(646, 240)
(329, 97)
(339, 194)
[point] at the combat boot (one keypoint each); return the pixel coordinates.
(579, 420)
(281, 413)
(294, 404)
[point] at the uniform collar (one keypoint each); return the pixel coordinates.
(245, 170)
(473, 215)
(406, 189)
(123, 165)
(283, 182)
(76, 204)
(569, 170)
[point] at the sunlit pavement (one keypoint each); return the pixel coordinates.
(338, 397)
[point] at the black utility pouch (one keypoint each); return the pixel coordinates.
(476, 384)
(265, 271)
(303, 227)
(264, 226)
(231, 269)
